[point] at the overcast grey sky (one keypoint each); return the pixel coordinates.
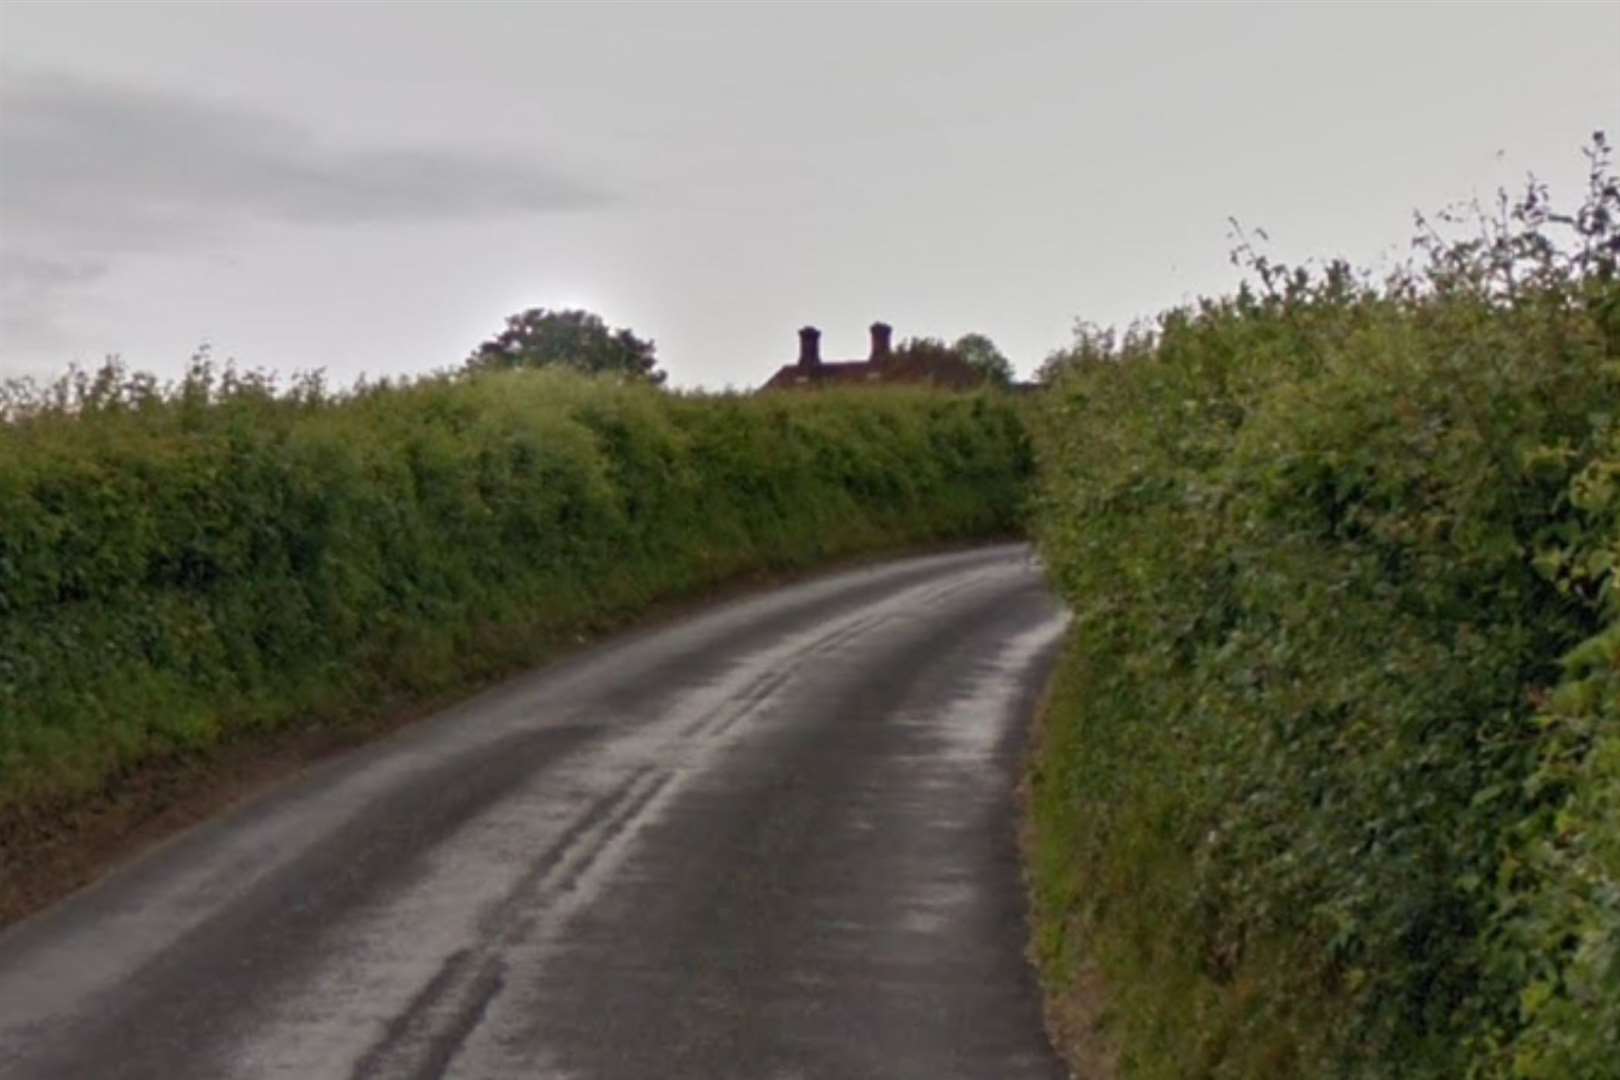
(372, 188)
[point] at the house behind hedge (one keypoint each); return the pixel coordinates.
(882, 365)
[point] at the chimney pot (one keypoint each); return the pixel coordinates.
(881, 335)
(809, 347)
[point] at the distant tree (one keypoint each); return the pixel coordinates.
(1056, 363)
(981, 352)
(569, 338)
(974, 349)
(1096, 344)
(925, 348)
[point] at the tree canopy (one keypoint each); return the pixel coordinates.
(931, 348)
(568, 338)
(981, 352)
(975, 349)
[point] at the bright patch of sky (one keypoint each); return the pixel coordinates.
(371, 188)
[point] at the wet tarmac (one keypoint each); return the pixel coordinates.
(774, 840)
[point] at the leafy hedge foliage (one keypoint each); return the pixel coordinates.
(1329, 784)
(181, 567)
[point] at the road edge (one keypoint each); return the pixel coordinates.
(1074, 1011)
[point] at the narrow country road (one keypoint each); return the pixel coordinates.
(772, 840)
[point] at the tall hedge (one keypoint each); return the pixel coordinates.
(1329, 784)
(185, 567)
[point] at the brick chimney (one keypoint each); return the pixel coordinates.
(809, 347)
(881, 333)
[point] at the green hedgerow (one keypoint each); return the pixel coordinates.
(182, 565)
(1327, 787)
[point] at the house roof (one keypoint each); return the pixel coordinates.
(883, 367)
(952, 374)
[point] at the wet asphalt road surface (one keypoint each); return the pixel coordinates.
(771, 841)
